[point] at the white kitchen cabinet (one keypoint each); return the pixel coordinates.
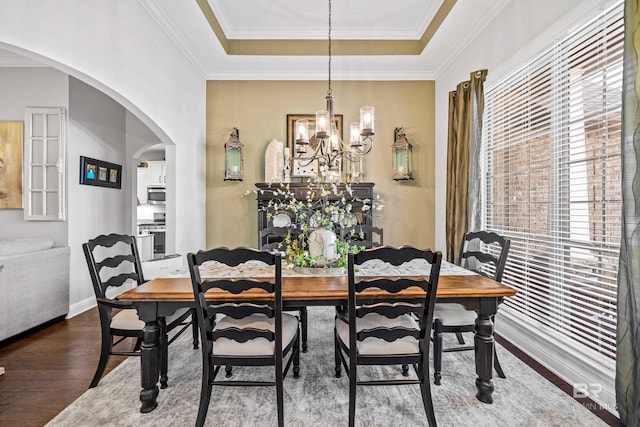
(143, 182)
(145, 246)
(157, 172)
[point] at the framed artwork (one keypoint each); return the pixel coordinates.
(301, 168)
(11, 137)
(100, 173)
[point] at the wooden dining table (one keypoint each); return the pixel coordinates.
(163, 296)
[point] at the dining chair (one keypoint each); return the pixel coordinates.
(365, 235)
(113, 261)
(271, 239)
(379, 328)
(485, 253)
(241, 333)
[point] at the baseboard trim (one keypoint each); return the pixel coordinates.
(541, 348)
(81, 307)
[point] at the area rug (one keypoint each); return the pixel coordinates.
(317, 398)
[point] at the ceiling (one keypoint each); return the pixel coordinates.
(287, 39)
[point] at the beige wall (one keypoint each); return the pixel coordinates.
(259, 110)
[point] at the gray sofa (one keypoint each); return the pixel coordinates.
(34, 284)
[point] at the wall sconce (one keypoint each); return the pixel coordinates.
(402, 156)
(233, 160)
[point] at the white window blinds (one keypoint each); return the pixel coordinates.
(552, 180)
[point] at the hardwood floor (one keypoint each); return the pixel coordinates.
(48, 368)
(51, 366)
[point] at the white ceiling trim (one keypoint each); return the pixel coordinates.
(264, 32)
(315, 75)
(165, 23)
(456, 49)
(337, 34)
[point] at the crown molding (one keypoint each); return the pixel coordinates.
(172, 32)
(466, 38)
(307, 46)
(315, 75)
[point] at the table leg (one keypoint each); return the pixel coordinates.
(150, 358)
(484, 349)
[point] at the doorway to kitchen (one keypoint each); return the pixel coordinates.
(151, 203)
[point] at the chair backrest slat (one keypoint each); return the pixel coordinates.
(243, 335)
(115, 261)
(238, 311)
(388, 334)
(237, 286)
(119, 280)
(391, 286)
(390, 311)
(395, 256)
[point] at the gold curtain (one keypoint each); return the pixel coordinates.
(466, 105)
(628, 328)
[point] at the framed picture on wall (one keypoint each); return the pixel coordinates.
(100, 173)
(300, 167)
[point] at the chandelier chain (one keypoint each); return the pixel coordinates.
(329, 90)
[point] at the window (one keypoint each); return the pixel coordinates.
(44, 169)
(552, 184)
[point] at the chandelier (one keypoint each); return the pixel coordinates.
(329, 148)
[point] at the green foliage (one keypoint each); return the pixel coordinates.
(325, 206)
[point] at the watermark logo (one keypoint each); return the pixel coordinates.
(591, 391)
(587, 390)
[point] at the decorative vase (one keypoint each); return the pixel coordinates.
(322, 244)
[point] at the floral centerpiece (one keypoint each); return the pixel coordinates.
(323, 229)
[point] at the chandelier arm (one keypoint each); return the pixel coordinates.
(315, 155)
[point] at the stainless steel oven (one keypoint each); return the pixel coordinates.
(158, 228)
(158, 241)
(156, 194)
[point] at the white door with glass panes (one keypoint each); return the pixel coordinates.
(43, 164)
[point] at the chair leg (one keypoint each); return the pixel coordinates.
(337, 354)
(205, 396)
(228, 370)
(496, 362)
(437, 351)
(105, 352)
(280, 391)
(194, 330)
(460, 338)
(496, 365)
(353, 381)
(405, 370)
(425, 389)
(296, 357)
(303, 319)
(164, 353)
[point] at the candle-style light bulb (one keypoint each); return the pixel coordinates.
(367, 121)
(302, 134)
